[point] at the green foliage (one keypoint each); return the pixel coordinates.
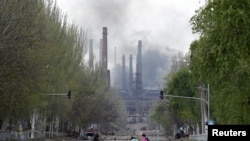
(162, 115)
(172, 111)
(185, 110)
(19, 71)
(221, 57)
(42, 54)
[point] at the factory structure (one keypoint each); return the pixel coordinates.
(128, 80)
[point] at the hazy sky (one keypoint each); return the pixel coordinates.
(158, 23)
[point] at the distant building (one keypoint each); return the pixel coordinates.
(138, 100)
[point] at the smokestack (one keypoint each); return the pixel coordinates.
(130, 72)
(123, 73)
(91, 54)
(104, 53)
(105, 48)
(139, 67)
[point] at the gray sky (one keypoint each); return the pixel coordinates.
(158, 23)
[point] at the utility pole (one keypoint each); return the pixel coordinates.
(205, 107)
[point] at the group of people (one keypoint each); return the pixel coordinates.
(144, 138)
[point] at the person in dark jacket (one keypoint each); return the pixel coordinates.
(96, 137)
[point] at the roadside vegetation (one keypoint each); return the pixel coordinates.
(42, 54)
(220, 58)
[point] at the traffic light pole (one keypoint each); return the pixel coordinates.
(68, 94)
(197, 98)
(55, 94)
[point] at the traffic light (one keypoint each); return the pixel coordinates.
(69, 94)
(161, 95)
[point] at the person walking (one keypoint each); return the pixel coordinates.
(133, 139)
(96, 136)
(144, 137)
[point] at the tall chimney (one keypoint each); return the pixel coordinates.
(123, 73)
(139, 67)
(130, 72)
(104, 53)
(105, 48)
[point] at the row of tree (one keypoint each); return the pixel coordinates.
(220, 58)
(42, 54)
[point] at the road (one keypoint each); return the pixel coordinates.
(125, 134)
(127, 138)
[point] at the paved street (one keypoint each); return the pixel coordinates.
(125, 134)
(127, 138)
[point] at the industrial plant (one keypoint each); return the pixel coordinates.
(128, 80)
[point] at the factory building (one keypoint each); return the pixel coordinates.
(129, 82)
(138, 100)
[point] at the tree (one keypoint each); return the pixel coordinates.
(220, 57)
(185, 110)
(42, 54)
(174, 110)
(20, 32)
